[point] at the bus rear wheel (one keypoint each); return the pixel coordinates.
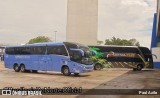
(97, 66)
(66, 71)
(22, 68)
(16, 68)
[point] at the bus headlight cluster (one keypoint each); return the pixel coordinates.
(87, 61)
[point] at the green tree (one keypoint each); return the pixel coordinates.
(39, 39)
(123, 42)
(134, 42)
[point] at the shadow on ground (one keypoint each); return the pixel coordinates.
(126, 85)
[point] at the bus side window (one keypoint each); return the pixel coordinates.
(37, 50)
(17, 50)
(40, 50)
(61, 50)
(32, 49)
(24, 50)
(10, 51)
(58, 50)
(51, 50)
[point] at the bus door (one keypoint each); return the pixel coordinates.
(45, 61)
(56, 62)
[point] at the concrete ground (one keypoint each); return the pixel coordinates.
(105, 79)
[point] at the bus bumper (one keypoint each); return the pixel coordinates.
(83, 69)
(88, 69)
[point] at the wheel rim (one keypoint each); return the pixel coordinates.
(98, 67)
(138, 67)
(22, 68)
(66, 71)
(16, 68)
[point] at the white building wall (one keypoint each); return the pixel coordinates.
(82, 21)
(156, 51)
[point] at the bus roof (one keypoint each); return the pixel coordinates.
(141, 47)
(39, 44)
(2, 47)
(111, 46)
(46, 43)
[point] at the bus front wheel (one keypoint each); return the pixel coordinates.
(16, 68)
(98, 66)
(66, 71)
(22, 68)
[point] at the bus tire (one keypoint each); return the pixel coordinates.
(139, 67)
(76, 74)
(34, 71)
(22, 68)
(97, 66)
(66, 71)
(16, 68)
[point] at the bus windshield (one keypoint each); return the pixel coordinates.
(86, 58)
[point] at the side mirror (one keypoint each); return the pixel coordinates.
(154, 56)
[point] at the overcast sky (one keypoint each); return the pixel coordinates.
(21, 20)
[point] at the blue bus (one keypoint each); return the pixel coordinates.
(64, 57)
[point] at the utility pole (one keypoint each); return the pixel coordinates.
(55, 36)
